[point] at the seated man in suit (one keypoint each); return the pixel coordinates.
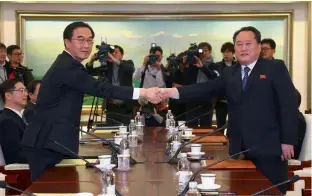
(12, 126)
(302, 126)
(33, 90)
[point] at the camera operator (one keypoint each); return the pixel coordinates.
(177, 78)
(153, 114)
(200, 73)
(119, 73)
(14, 68)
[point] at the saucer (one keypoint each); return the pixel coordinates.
(187, 136)
(213, 187)
(195, 153)
(103, 167)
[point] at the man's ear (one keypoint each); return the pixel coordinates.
(8, 95)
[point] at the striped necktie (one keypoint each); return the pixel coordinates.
(245, 78)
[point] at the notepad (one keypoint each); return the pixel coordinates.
(16, 166)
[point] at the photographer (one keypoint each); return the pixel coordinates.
(176, 78)
(153, 114)
(201, 73)
(119, 73)
(151, 73)
(14, 68)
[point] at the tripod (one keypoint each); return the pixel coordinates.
(94, 112)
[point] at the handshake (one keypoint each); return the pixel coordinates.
(156, 95)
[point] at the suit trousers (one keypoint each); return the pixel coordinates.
(221, 113)
(273, 168)
(40, 159)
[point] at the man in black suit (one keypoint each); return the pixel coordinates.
(119, 73)
(33, 90)
(59, 103)
(262, 106)
(12, 126)
(14, 68)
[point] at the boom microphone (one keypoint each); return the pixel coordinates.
(291, 180)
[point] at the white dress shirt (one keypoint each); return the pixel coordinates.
(251, 66)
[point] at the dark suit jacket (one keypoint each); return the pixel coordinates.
(302, 126)
(59, 104)
(29, 112)
(264, 115)
(11, 132)
(27, 75)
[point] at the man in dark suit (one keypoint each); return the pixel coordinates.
(14, 68)
(262, 106)
(119, 73)
(12, 125)
(59, 103)
(33, 90)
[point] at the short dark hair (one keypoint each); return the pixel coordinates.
(298, 97)
(249, 28)
(7, 86)
(269, 41)
(156, 48)
(228, 46)
(31, 87)
(2, 46)
(205, 44)
(120, 49)
(69, 30)
(11, 48)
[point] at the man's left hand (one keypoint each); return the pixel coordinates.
(287, 152)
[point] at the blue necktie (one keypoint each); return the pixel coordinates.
(245, 78)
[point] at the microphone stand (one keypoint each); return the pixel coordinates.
(206, 167)
(112, 146)
(176, 118)
(174, 159)
(291, 180)
(88, 164)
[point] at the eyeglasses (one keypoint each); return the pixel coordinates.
(83, 40)
(22, 90)
(18, 54)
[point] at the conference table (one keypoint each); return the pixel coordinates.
(152, 175)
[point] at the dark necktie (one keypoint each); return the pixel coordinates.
(245, 78)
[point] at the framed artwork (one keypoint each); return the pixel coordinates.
(40, 33)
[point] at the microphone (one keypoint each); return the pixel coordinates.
(188, 112)
(291, 180)
(5, 185)
(175, 160)
(113, 147)
(88, 164)
(206, 167)
(170, 139)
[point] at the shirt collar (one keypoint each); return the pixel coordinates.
(251, 66)
(69, 53)
(17, 112)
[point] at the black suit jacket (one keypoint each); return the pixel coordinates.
(59, 103)
(27, 75)
(11, 132)
(264, 115)
(29, 112)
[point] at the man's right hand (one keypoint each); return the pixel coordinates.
(145, 61)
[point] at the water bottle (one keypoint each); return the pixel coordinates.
(184, 172)
(192, 189)
(110, 180)
(137, 118)
(168, 118)
(132, 128)
(172, 127)
(124, 145)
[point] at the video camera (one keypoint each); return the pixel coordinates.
(102, 54)
(191, 52)
(174, 62)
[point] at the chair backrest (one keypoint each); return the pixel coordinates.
(2, 161)
(305, 154)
